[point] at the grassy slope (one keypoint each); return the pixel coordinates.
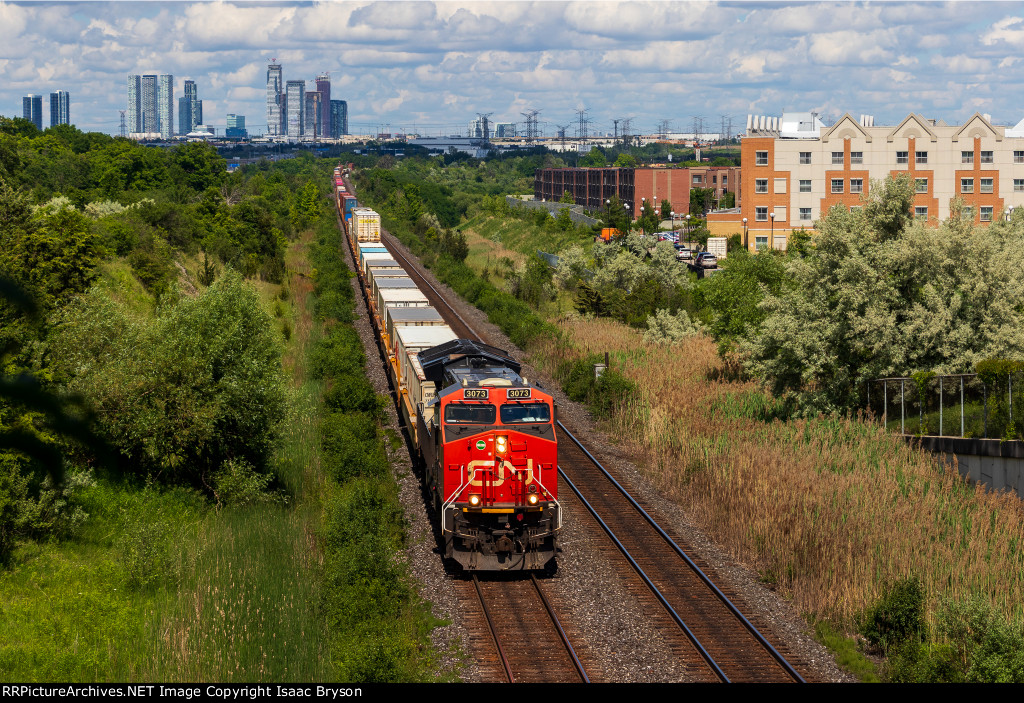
(159, 586)
(827, 510)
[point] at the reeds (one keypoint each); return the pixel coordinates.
(827, 509)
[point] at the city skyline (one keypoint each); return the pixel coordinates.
(431, 67)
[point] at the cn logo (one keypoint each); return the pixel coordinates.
(499, 475)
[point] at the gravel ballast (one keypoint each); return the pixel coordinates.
(617, 640)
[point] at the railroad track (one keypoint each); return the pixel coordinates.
(516, 634)
(701, 622)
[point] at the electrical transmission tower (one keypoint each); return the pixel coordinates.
(561, 133)
(531, 124)
(124, 130)
(581, 130)
(627, 125)
(616, 138)
(663, 129)
(485, 124)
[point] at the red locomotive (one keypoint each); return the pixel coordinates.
(488, 442)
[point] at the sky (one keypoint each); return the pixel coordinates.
(430, 67)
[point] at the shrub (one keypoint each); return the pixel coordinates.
(898, 616)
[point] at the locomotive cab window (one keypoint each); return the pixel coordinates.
(470, 414)
(525, 412)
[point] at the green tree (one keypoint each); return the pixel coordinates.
(701, 200)
(179, 395)
(198, 166)
(648, 220)
(567, 198)
(624, 160)
(594, 159)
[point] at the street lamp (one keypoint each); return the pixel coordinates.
(771, 239)
(1009, 213)
(746, 243)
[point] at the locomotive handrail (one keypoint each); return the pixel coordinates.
(448, 503)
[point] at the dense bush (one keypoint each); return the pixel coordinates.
(180, 394)
(898, 617)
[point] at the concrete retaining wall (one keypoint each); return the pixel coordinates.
(576, 212)
(996, 464)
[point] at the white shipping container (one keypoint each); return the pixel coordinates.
(422, 317)
(365, 224)
(384, 283)
(718, 247)
(374, 272)
(400, 298)
(375, 256)
(416, 339)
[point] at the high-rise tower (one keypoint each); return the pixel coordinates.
(339, 118)
(150, 121)
(313, 119)
(165, 106)
(295, 96)
(32, 110)
(275, 101)
(190, 111)
(60, 108)
(323, 86)
(133, 113)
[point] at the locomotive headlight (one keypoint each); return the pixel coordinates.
(474, 500)
(532, 499)
(501, 444)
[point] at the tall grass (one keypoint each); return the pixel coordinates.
(827, 510)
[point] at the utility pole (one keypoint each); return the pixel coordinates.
(616, 131)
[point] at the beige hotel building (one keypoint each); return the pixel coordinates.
(795, 168)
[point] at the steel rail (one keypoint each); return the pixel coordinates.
(650, 584)
(697, 570)
(494, 631)
(561, 633)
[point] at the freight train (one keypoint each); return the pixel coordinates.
(485, 435)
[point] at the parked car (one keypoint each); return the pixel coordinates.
(707, 260)
(684, 254)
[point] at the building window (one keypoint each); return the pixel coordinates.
(760, 185)
(921, 212)
(967, 157)
(921, 157)
(714, 179)
(856, 157)
(837, 185)
(697, 179)
(837, 158)
(760, 242)
(761, 214)
(986, 157)
(856, 185)
(725, 181)
(986, 213)
(856, 208)
(1018, 185)
(967, 212)
(805, 186)
(902, 157)
(1018, 157)
(761, 158)
(920, 185)
(966, 185)
(805, 158)
(987, 185)
(805, 213)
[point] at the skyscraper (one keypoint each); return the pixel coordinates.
(190, 110)
(165, 106)
(314, 114)
(149, 120)
(295, 95)
(32, 109)
(134, 111)
(60, 108)
(323, 86)
(151, 104)
(339, 118)
(275, 101)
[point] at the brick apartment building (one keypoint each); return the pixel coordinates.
(592, 187)
(795, 168)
